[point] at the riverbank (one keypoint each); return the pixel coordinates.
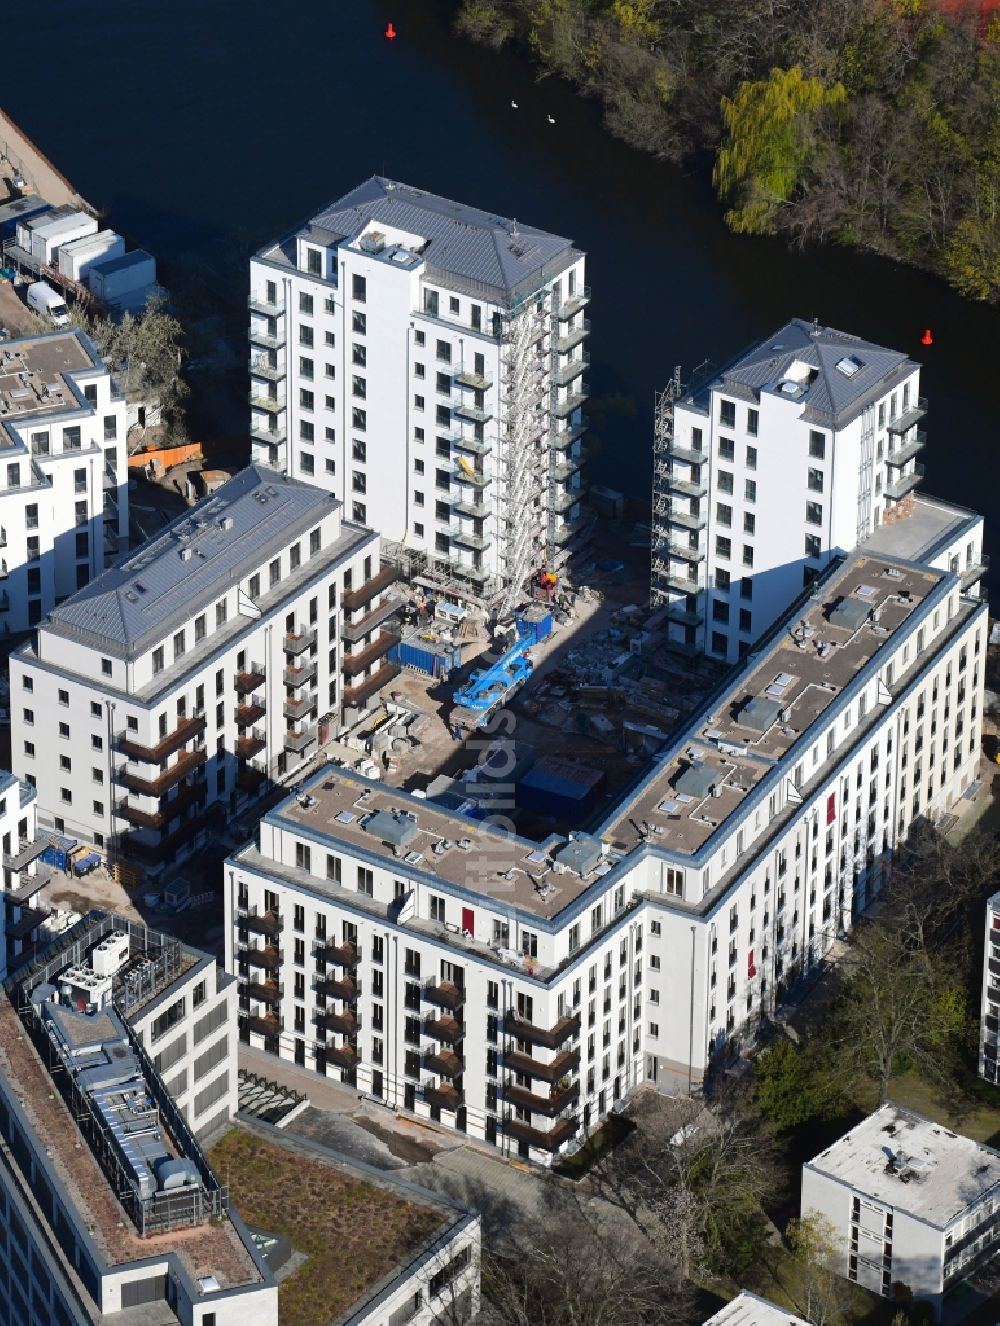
(20, 158)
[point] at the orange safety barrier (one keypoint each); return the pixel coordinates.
(167, 456)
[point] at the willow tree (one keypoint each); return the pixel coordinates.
(770, 135)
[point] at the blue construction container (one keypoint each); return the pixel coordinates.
(58, 852)
(560, 789)
(533, 625)
(426, 656)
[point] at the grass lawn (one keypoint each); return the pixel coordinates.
(352, 1232)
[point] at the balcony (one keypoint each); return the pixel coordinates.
(357, 695)
(549, 1106)
(908, 450)
(262, 338)
(248, 714)
(273, 437)
(261, 923)
(265, 992)
(155, 787)
(269, 404)
(268, 1025)
(685, 616)
(565, 500)
(354, 631)
(467, 538)
(569, 372)
(565, 437)
(444, 1063)
(444, 994)
(261, 368)
(678, 451)
(566, 468)
(905, 483)
(344, 1056)
(345, 1024)
(449, 1030)
(257, 304)
(169, 810)
(972, 574)
(297, 642)
(685, 552)
(166, 848)
(466, 378)
(682, 584)
(249, 746)
(570, 528)
(443, 1098)
(186, 730)
(551, 1038)
(249, 779)
(360, 661)
(905, 421)
(267, 958)
(562, 409)
(687, 487)
(466, 474)
(474, 445)
(298, 708)
(340, 955)
(478, 414)
(337, 987)
(298, 676)
(685, 519)
(298, 741)
(572, 338)
(566, 308)
(564, 1064)
(545, 1141)
(247, 682)
(357, 598)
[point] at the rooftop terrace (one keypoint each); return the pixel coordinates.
(758, 721)
(33, 375)
(912, 1164)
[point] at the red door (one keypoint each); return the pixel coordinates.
(468, 920)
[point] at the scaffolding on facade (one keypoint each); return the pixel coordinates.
(659, 543)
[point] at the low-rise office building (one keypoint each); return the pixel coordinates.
(209, 663)
(914, 1207)
(63, 473)
(107, 1201)
(517, 988)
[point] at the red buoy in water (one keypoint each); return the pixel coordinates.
(390, 33)
(927, 338)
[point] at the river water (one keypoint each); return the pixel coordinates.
(204, 127)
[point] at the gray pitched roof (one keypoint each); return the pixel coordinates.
(464, 241)
(832, 394)
(191, 562)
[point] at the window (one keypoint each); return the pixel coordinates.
(751, 458)
(723, 515)
(359, 387)
(747, 555)
(746, 621)
(813, 546)
(720, 611)
(307, 399)
(815, 481)
(727, 449)
(817, 445)
(725, 481)
(753, 420)
(749, 523)
(359, 481)
(723, 546)
(359, 289)
(359, 419)
(722, 579)
(814, 513)
(305, 304)
(306, 337)
(305, 367)
(306, 463)
(727, 414)
(750, 490)
(314, 265)
(158, 659)
(63, 697)
(366, 881)
(179, 644)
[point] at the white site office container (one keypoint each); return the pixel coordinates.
(113, 278)
(76, 258)
(45, 240)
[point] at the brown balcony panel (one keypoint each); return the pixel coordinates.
(443, 1098)
(267, 992)
(248, 747)
(364, 690)
(144, 819)
(297, 642)
(298, 708)
(551, 1072)
(263, 1026)
(186, 730)
(248, 714)
(550, 1140)
(186, 761)
(250, 779)
(261, 923)
(549, 1106)
(344, 1056)
(154, 853)
(332, 987)
(245, 682)
(340, 955)
(444, 1029)
(382, 643)
(357, 598)
(346, 1024)
(299, 676)
(444, 1064)
(551, 1037)
(298, 741)
(443, 994)
(267, 958)
(352, 631)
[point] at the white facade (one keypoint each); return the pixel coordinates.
(517, 989)
(63, 473)
(24, 877)
(801, 449)
(748, 1309)
(911, 1203)
(989, 1031)
(208, 664)
(398, 334)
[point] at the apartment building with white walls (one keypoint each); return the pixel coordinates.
(802, 448)
(424, 361)
(63, 473)
(516, 989)
(24, 875)
(915, 1208)
(989, 1030)
(211, 662)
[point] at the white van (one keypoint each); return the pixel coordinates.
(46, 302)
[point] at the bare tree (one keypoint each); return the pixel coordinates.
(818, 1291)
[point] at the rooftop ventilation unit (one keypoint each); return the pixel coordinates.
(226, 522)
